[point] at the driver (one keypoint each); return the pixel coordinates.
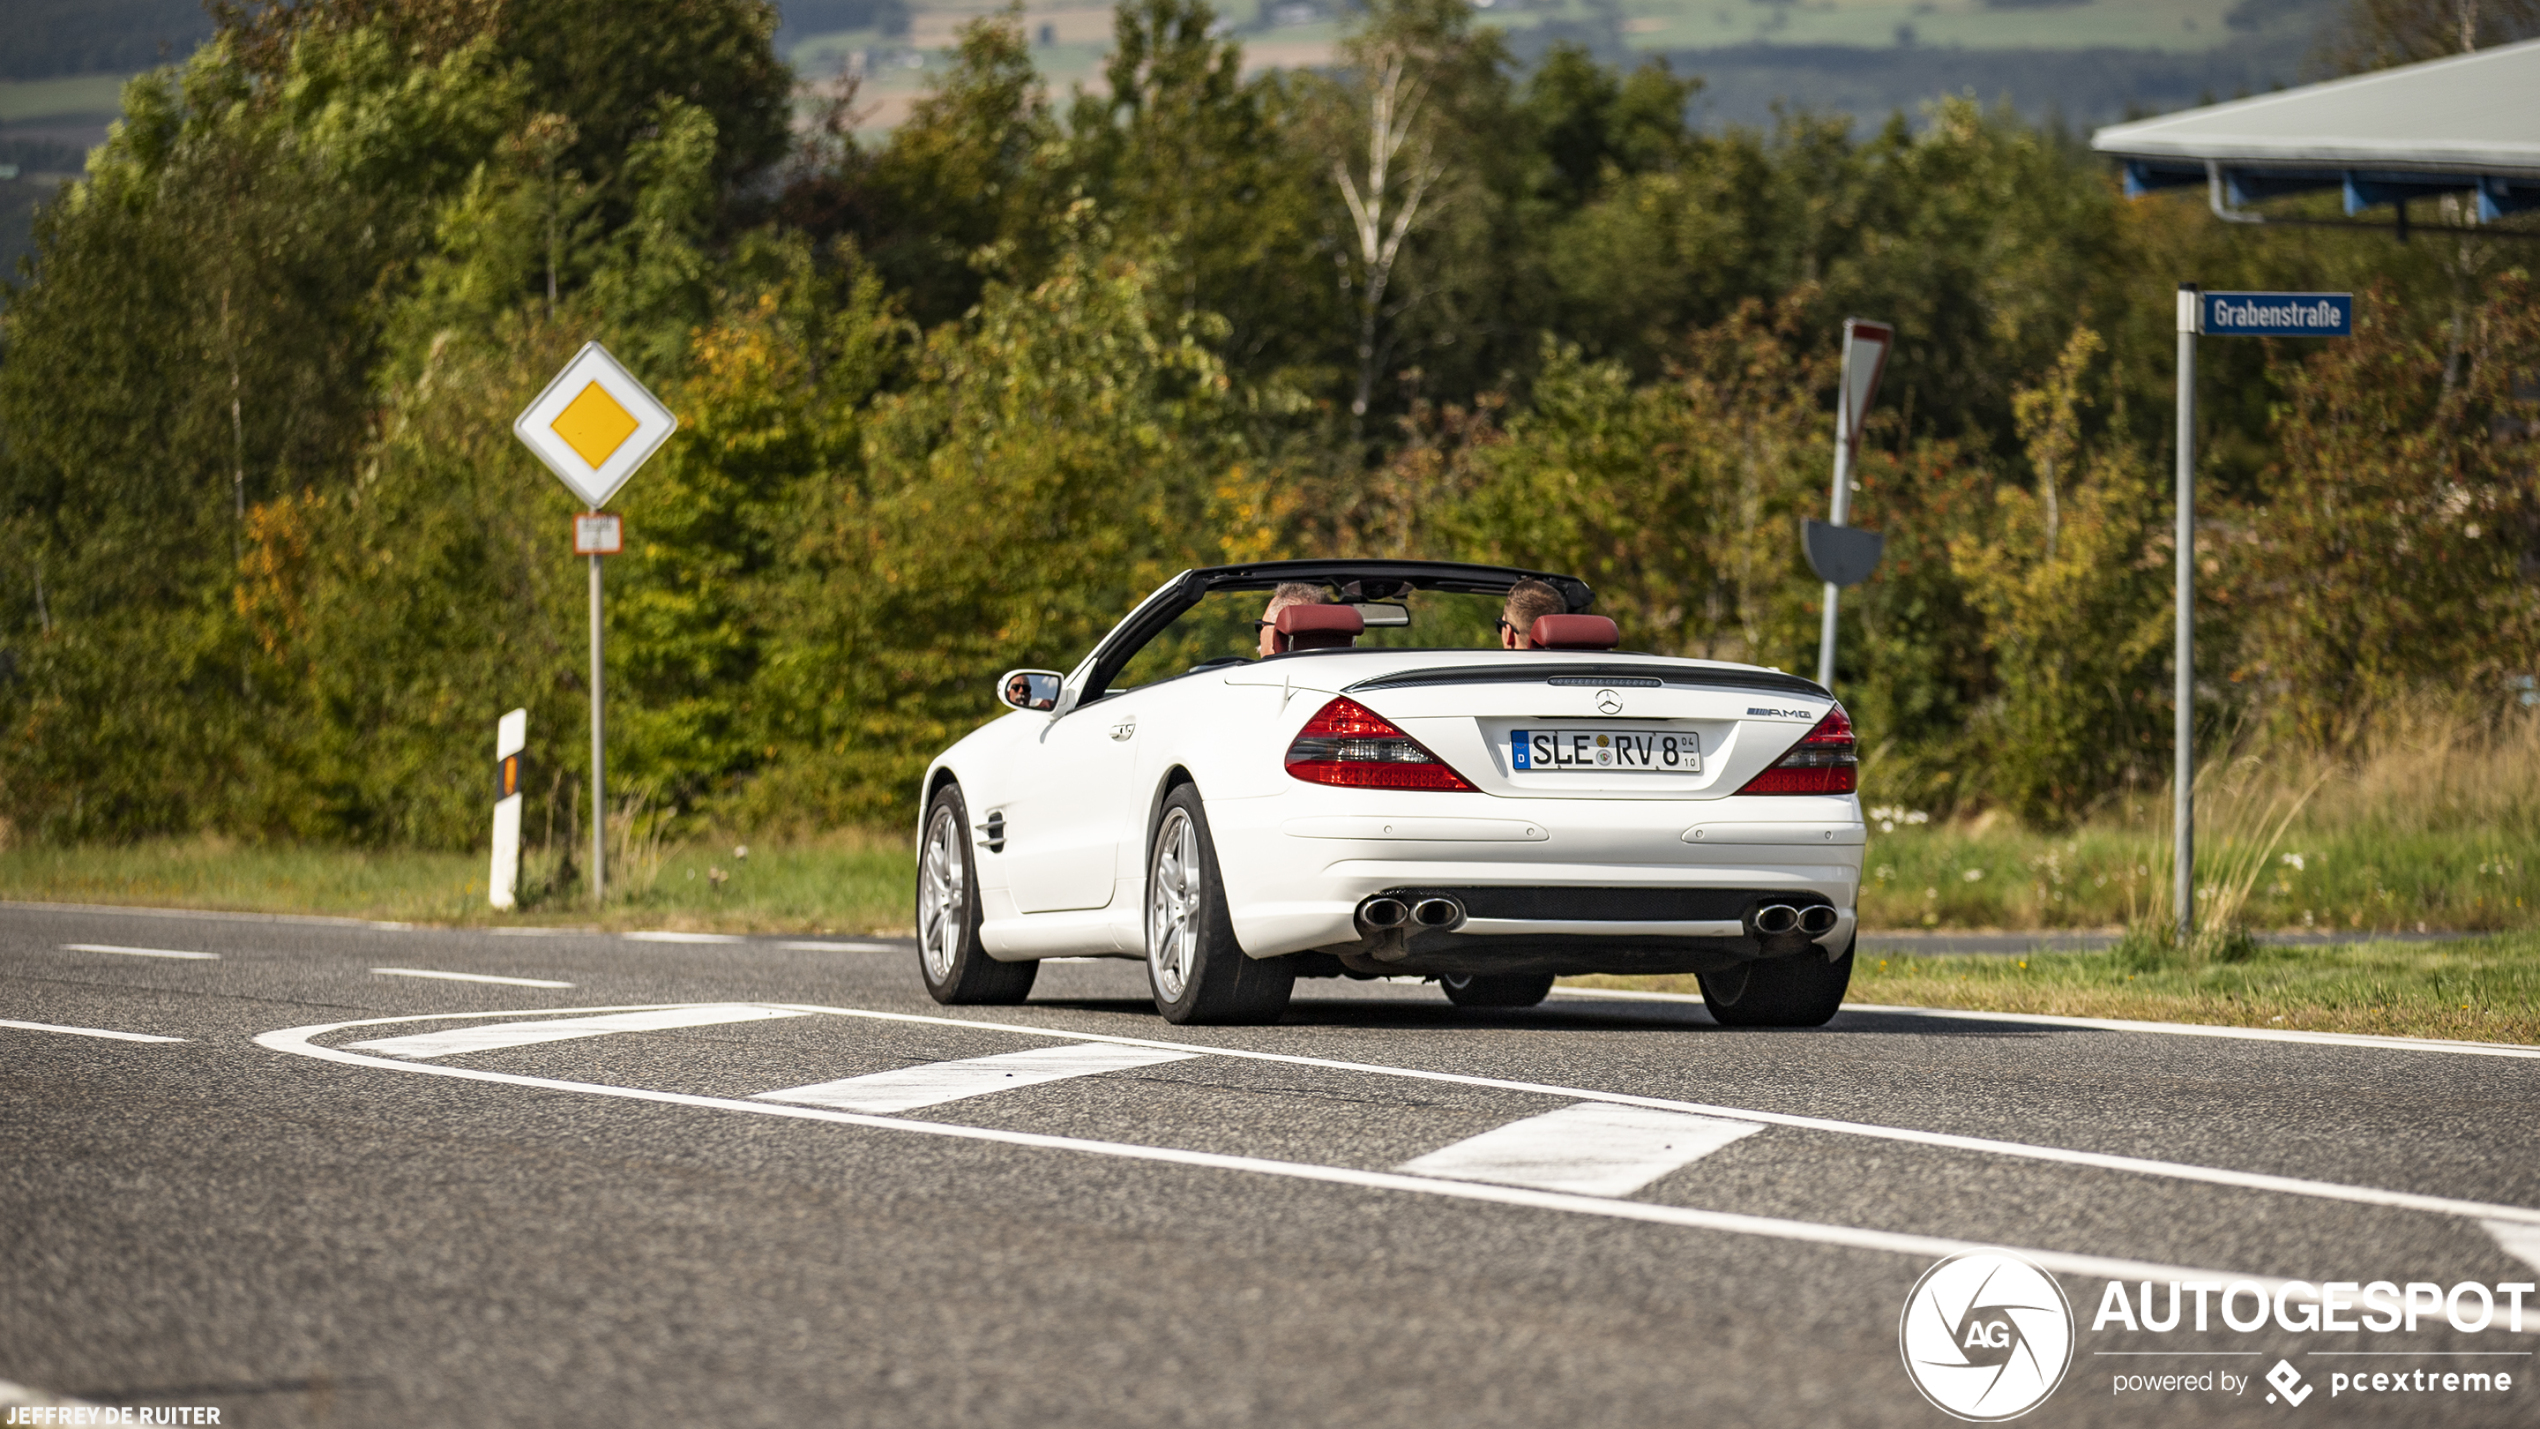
(1270, 641)
(1527, 599)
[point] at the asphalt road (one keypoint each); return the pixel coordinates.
(1382, 1211)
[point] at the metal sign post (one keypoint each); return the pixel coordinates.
(2183, 732)
(1865, 346)
(597, 534)
(593, 426)
(2219, 315)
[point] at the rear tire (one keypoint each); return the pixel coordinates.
(1800, 991)
(1496, 989)
(1194, 967)
(956, 968)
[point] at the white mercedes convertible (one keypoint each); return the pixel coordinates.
(1392, 794)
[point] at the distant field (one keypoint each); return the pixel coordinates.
(1866, 56)
(81, 96)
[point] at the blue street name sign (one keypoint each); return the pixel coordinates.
(2279, 315)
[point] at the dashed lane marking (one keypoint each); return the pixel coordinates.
(296, 1041)
(87, 1032)
(814, 946)
(470, 977)
(666, 936)
(1590, 1149)
(490, 1037)
(124, 952)
(2114, 1024)
(909, 1088)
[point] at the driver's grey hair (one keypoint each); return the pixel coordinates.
(1291, 593)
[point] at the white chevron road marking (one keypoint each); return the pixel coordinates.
(908, 1088)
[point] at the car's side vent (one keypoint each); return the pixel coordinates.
(994, 828)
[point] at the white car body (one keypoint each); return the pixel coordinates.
(1566, 871)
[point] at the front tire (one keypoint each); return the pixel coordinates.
(1194, 967)
(1800, 991)
(1496, 989)
(956, 968)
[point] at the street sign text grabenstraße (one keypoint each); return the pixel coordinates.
(2278, 315)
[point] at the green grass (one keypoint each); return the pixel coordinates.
(852, 882)
(2476, 990)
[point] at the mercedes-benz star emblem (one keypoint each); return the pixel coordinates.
(1608, 702)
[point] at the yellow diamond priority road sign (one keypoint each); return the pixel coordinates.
(594, 425)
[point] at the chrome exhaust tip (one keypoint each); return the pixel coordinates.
(1383, 912)
(1437, 913)
(1776, 918)
(1816, 920)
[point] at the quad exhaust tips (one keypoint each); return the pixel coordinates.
(1384, 912)
(1775, 919)
(1381, 913)
(1437, 913)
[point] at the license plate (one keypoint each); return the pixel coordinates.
(1628, 751)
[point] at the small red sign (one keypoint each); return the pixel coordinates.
(598, 534)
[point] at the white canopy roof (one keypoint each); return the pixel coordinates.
(2469, 116)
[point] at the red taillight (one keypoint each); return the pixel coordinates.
(1826, 762)
(1349, 744)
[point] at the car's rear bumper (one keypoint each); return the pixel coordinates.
(1297, 871)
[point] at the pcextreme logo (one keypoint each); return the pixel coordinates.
(1986, 1336)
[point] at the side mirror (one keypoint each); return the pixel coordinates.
(1029, 689)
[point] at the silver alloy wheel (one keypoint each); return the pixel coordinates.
(942, 895)
(1175, 887)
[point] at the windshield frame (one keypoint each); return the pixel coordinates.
(1359, 581)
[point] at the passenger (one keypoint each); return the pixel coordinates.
(1527, 599)
(1271, 642)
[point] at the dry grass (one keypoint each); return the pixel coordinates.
(2476, 990)
(2428, 827)
(848, 881)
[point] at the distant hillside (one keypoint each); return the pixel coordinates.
(1742, 85)
(43, 38)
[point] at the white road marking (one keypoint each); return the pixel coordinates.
(2520, 1241)
(491, 1037)
(2113, 1024)
(88, 1032)
(295, 1040)
(536, 932)
(819, 947)
(660, 936)
(1590, 1149)
(2134, 1165)
(908, 1088)
(470, 977)
(127, 910)
(138, 952)
(15, 1396)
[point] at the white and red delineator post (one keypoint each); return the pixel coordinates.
(511, 736)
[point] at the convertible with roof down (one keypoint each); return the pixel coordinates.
(1391, 792)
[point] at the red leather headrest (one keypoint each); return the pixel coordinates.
(1573, 632)
(1320, 627)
